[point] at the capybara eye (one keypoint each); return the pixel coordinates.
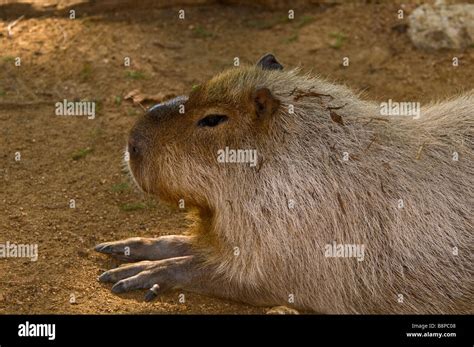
(212, 120)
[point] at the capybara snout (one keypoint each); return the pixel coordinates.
(142, 140)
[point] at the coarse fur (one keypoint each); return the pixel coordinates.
(330, 170)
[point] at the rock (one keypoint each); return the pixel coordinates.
(442, 26)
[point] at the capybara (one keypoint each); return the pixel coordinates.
(304, 195)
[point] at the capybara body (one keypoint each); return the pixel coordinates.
(331, 170)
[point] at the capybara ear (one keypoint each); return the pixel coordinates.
(269, 62)
(265, 103)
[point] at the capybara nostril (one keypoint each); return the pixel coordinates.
(135, 145)
(135, 150)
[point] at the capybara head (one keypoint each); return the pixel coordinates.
(174, 147)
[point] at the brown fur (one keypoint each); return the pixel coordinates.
(408, 251)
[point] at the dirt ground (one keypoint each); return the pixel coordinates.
(65, 158)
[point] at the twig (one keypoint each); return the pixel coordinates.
(418, 155)
(143, 107)
(12, 24)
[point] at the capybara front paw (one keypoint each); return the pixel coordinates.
(138, 248)
(158, 276)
